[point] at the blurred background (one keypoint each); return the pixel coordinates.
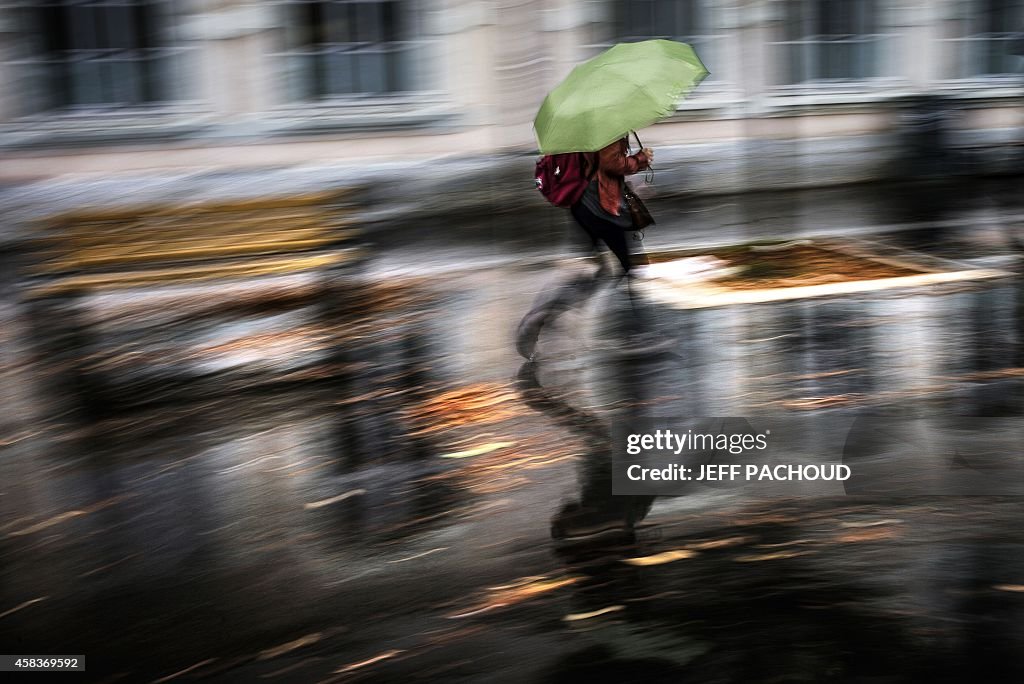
(262, 268)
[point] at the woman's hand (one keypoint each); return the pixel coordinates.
(649, 153)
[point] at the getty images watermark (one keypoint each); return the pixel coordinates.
(819, 455)
(735, 443)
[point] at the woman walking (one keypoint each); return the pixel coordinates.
(602, 211)
(603, 214)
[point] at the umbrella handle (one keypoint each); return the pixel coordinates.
(649, 176)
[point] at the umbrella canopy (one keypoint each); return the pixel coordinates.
(627, 87)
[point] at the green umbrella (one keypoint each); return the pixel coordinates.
(627, 87)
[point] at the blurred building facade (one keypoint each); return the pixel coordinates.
(801, 91)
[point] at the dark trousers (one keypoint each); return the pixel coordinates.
(602, 230)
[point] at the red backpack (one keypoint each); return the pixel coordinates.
(562, 178)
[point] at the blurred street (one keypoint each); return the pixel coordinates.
(396, 526)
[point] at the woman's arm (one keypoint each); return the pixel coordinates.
(613, 160)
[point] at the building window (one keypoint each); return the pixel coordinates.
(829, 40)
(98, 53)
(672, 19)
(687, 21)
(990, 39)
(337, 48)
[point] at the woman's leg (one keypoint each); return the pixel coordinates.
(554, 300)
(550, 303)
(638, 255)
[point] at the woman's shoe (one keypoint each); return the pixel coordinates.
(576, 523)
(528, 332)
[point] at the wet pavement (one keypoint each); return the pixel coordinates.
(395, 525)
